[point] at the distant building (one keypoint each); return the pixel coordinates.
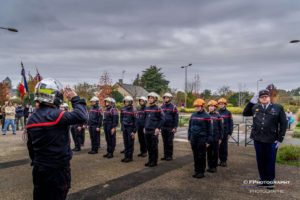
(130, 90)
(7, 80)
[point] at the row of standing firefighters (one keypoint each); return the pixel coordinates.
(208, 133)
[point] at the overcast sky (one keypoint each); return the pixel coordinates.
(228, 42)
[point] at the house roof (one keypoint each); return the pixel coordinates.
(133, 90)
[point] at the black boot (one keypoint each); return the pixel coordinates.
(110, 155)
(92, 152)
(212, 170)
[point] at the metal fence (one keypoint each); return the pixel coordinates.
(235, 140)
(248, 140)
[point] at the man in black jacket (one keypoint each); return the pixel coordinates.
(268, 130)
(169, 127)
(153, 122)
(95, 123)
(48, 139)
(227, 131)
(140, 125)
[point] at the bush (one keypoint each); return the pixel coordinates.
(298, 125)
(289, 155)
(296, 134)
(183, 121)
(233, 110)
(293, 109)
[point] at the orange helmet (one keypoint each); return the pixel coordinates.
(199, 102)
(212, 103)
(222, 100)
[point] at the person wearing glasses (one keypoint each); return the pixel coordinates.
(268, 131)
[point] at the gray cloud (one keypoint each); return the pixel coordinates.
(228, 42)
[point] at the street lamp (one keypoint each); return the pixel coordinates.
(9, 29)
(259, 80)
(185, 85)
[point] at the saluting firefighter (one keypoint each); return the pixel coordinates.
(95, 123)
(217, 135)
(169, 126)
(268, 131)
(228, 129)
(140, 126)
(128, 127)
(153, 122)
(49, 140)
(110, 123)
(199, 135)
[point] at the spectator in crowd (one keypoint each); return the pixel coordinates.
(10, 112)
(20, 117)
(290, 118)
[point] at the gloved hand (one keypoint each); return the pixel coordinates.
(254, 99)
(277, 144)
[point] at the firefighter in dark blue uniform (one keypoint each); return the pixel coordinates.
(153, 122)
(128, 126)
(95, 123)
(78, 134)
(140, 126)
(199, 135)
(110, 123)
(169, 126)
(217, 135)
(268, 131)
(48, 139)
(228, 129)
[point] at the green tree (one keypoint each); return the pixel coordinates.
(117, 96)
(190, 99)
(154, 80)
(206, 94)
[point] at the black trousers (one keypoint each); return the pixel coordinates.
(110, 139)
(223, 149)
(78, 136)
(142, 140)
(95, 137)
(266, 159)
(168, 138)
(128, 141)
(199, 152)
(152, 146)
(51, 184)
(213, 154)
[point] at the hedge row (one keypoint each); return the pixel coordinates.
(233, 110)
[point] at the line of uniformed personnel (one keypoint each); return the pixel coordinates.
(208, 134)
(147, 121)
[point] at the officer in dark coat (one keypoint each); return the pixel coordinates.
(110, 123)
(169, 126)
(228, 129)
(199, 135)
(128, 126)
(153, 122)
(268, 131)
(217, 135)
(140, 126)
(95, 123)
(49, 141)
